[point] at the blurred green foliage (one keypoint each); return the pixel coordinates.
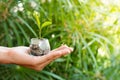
(92, 27)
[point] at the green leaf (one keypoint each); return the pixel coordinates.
(53, 75)
(27, 25)
(47, 23)
(37, 16)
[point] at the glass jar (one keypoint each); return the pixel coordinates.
(39, 47)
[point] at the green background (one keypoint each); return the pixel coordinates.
(91, 27)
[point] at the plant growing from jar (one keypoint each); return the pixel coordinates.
(40, 46)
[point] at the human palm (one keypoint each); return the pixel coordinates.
(20, 55)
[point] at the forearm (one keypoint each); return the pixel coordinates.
(4, 58)
(16, 55)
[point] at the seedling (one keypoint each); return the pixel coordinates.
(39, 25)
(40, 46)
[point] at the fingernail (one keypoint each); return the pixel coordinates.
(71, 48)
(62, 44)
(65, 45)
(68, 52)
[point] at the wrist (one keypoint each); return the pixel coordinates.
(4, 55)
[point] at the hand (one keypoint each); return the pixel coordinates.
(21, 56)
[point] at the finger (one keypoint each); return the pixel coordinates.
(52, 55)
(61, 47)
(62, 52)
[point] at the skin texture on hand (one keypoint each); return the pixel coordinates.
(20, 55)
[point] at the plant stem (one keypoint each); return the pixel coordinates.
(39, 28)
(39, 31)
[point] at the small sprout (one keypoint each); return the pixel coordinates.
(40, 26)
